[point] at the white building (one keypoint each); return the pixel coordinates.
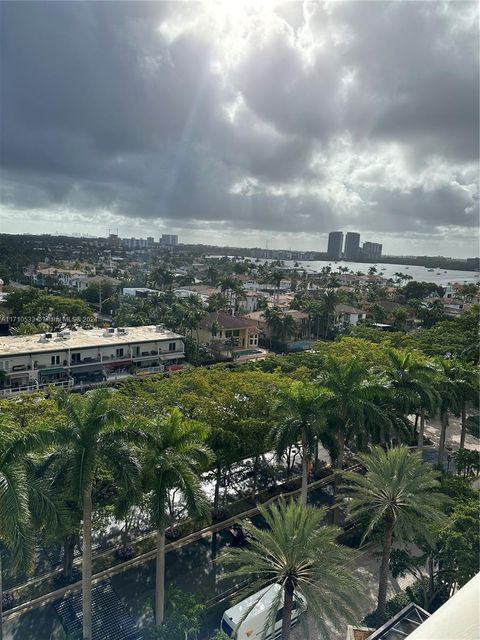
(85, 356)
(346, 315)
(139, 292)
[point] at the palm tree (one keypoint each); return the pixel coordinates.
(303, 558)
(287, 327)
(93, 435)
(413, 383)
(230, 286)
(449, 386)
(218, 302)
(397, 496)
(354, 399)
(272, 319)
(175, 458)
(275, 278)
(353, 404)
(467, 378)
(25, 501)
(329, 301)
(193, 313)
(301, 408)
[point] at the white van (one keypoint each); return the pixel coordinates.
(252, 627)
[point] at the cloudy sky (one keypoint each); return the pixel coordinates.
(243, 122)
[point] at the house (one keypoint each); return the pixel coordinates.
(83, 282)
(201, 290)
(226, 335)
(84, 356)
(139, 292)
(345, 315)
(249, 301)
(301, 320)
(48, 275)
(248, 282)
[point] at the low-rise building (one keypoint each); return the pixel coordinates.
(226, 335)
(70, 358)
(49, 275)
(302, 333)
(139, 292)
(345, 315)
(82, 283)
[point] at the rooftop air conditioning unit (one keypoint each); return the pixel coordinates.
(121, 330)
(65, 334)
(109, 332)
(48, 336)
(160, 327)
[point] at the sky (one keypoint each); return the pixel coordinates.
(243, 123)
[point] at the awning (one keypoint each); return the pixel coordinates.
(97, 366)
(117, 363)
(18, 374)
(51, 372)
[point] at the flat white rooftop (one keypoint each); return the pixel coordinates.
(82, 338)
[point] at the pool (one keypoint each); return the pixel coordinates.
(247, 352)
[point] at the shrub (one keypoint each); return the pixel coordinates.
(173, 533)
(61, 580)
(125, 553)
(182, 618)
(8, 601)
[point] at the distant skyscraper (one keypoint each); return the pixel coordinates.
(352, 245)
(335, 244)
(168, 240)
(371, 251)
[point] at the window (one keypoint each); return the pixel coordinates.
(119, 352)
(236, 332)
(228, 333)
(227, 628)
(172, 346)
(55, 359)
(75, 358)
(136, 351)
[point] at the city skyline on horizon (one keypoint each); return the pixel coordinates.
(181, 241)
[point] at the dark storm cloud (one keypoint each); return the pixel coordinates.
(101, 110)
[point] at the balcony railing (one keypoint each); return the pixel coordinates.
(31, 388)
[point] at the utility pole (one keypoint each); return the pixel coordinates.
(100, 299)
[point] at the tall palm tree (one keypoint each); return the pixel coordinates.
(301, 407)
(355, 393)
(398, 496)
(174, 459)
(287, 327)
(413, 383)
(304, 559)
(329, 300)
(93, 434)
(25, 501)
(356, 401)
(449, 386)
(231, 287)
(466, 383)
(272, 319)
(275, 278)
